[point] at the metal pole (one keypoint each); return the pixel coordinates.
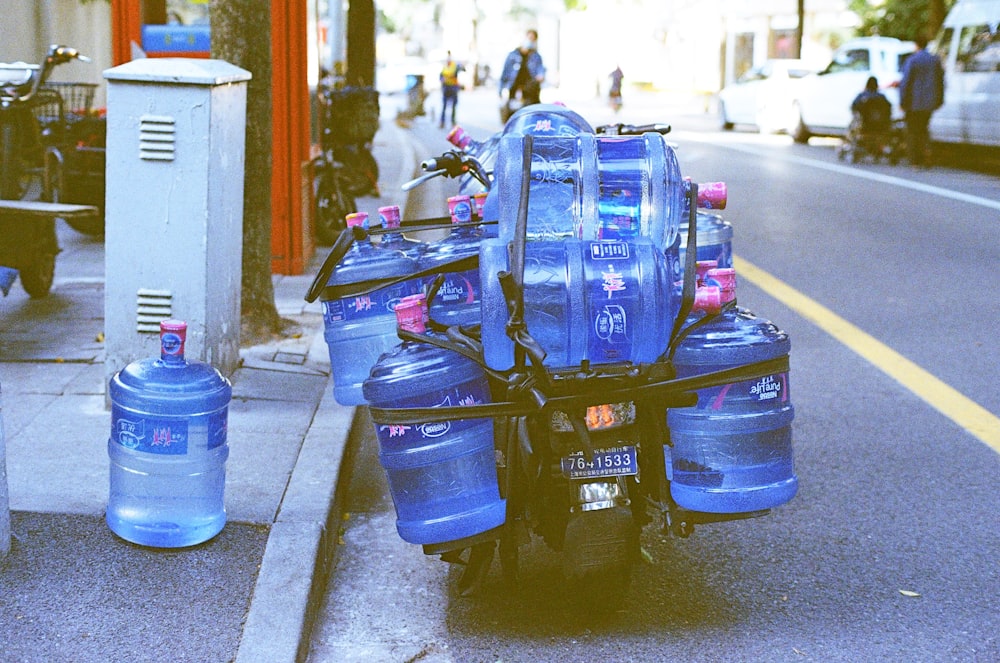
(4, 499)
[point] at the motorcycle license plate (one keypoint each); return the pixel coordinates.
(617, 461)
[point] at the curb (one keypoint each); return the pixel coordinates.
(302, 543)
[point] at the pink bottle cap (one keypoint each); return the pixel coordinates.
(712, 195)
(357, 219)
(459, 138)
(389, 216)
(421, 298)
(173, 333)
(725, 279)
(460, 208)
(708, 298)
(702, 267)
(410, 312)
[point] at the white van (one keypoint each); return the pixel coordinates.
(822, 104)
(969, 48)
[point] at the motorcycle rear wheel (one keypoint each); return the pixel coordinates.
(37, 276)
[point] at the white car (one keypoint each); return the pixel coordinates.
(822, 105)
(762, 96)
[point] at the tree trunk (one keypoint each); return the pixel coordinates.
(936, 11)
(241, 35)
(361, 43)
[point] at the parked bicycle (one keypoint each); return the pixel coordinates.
(346, 168)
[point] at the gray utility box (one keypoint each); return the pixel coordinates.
(174, 208)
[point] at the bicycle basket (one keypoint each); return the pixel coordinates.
(78, 98)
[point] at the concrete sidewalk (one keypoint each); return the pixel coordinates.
(69, 589)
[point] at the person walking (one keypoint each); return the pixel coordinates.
(615, 93)
(450, 87)
(921, 92)
(523, 73)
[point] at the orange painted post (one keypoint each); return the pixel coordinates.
(125, 28)
(291, 230)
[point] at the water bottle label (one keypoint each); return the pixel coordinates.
(373, 304)
(768, 391)
(459, 288)
(411, 435)
(770, 388)
(152, 435)
(163, 435)
(612, 278)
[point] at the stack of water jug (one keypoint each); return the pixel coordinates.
(602, 284)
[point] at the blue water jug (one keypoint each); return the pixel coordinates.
(598, 301)
(732, 452)
(714, 238)
(359, 328)
(168, 447)
(534, 120)
(457, 301)
(442, 475)
(593, 187)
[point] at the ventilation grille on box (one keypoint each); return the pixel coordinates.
(157, 137)
(153, 306)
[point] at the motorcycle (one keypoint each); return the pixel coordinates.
(345, 168)
(582, 454)
(29, 151)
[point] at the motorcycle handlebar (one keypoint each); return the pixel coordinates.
(57, 55)
(450, 164)
(633, 129)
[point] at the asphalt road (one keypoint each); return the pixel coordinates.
(883, 278)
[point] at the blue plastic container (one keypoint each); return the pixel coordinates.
(168, 447)
(593, 187)
(534, 120)
(458, 299)
(732, 453)
(714, 237)
(360, 328)
(599, 301)
(442, 475)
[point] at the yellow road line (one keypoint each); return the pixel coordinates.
(977, 420)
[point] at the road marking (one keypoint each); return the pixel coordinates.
(973, 418)
(857, 172)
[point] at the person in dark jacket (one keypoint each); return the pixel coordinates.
(873, 108)
(523, 71)
(921, 92)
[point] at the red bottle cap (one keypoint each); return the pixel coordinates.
(173, 333)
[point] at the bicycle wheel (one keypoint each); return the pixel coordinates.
(333, 203)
